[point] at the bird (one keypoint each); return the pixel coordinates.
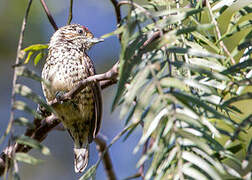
(66, 65)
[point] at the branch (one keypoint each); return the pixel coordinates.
(118, 16)
(218, 32)
(70, 16)
(107, 163)
(117, 12)
(141, 169)
(49, 15)
(39, 133)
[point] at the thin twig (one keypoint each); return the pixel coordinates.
(20, 43)
(120, 134)
(107, 163)
(145, 148)
(70, 16)
(49, 15)
(185, 56)
(117, 12)
(218, 32)
(134, 176)
(118, 16)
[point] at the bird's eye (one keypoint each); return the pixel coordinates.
(80, 31)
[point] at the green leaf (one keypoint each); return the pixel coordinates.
(22, 121)
(26, 158)
(195, 84)
(138, 81)
(233, 172)
(197, 139)
(171, 155)
(218, 166)
(38, 58)
(235, 148)
(195, 68)
(192, 172)
(36, 47)
(89, 173)
(153, 125)
(194, 52)
(174, 82)
(237, 28)
(27, 92)
(133, 56)
(187, 98)
(25, 72)
(207, 64)
(33, 143)
(201, 163)
(184, 116)
(191, 29)
(167, 39)
(238, 67)
(22, 106)
(126, 62)
(32, 49)
(28, 57)
(224, 18)
(176, 18)
(168, 12)
(205, 40)
(245, 96)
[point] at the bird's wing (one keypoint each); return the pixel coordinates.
(98, 108)
(96, 88)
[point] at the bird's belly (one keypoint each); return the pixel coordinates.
(76, 115)
(80, 107)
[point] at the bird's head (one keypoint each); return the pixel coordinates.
(74, 35)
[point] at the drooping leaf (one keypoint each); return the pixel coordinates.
(22, 121)
(89, 173)
(36, 47)
(28, 93)
(38, 58)
(33, 143)
(26, 158)
(25, 72)
(22, 106)
(201, 163)
(238, 67)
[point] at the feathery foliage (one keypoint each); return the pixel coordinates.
(183, 88)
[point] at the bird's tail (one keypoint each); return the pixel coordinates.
(80, 159)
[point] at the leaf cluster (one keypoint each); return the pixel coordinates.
(182, 86)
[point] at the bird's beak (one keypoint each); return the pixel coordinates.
(95, 40)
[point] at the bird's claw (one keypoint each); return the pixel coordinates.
(59, 96)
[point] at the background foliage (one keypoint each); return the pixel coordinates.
(185, 79)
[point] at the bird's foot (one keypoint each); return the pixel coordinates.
(59, 96)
